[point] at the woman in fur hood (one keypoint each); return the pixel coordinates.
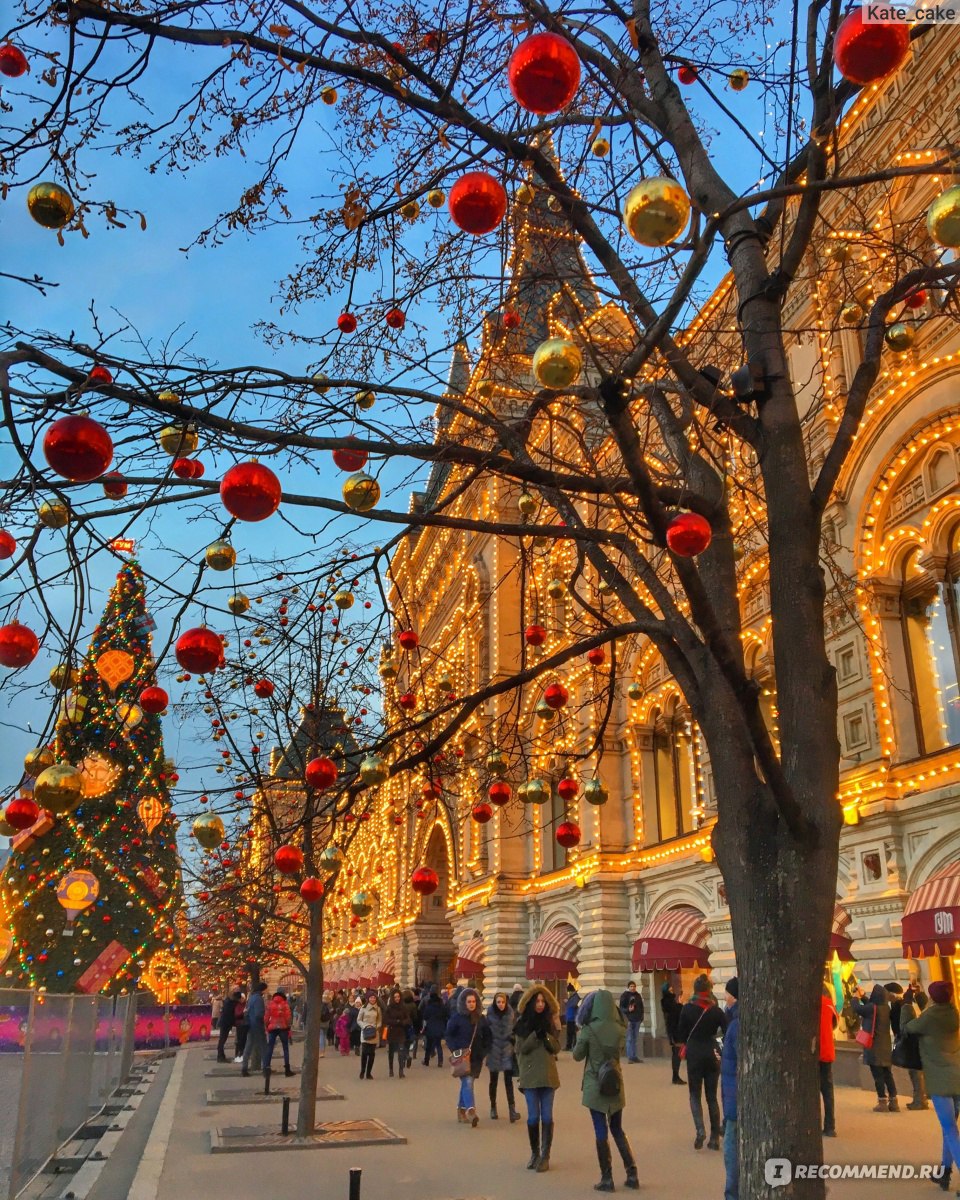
(538, 1044)
(468, 1029)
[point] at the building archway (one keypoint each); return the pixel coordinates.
(432, 948)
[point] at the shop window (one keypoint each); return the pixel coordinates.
(931, 637)
(848, 664)
(553, 813)
(672, 761)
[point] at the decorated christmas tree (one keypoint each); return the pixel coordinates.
(92, 888)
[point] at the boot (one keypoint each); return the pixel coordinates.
(514, 1115)
(461, 1115)
(401, 1068)
(391, 1072)
(606, 1168)
(714, 1143)
(289, 1074)
(944, 1180)
(629, 1162)
(682, 1082)
(544, 1161)
(533, 1133)
(881, 1105)
(493, 1112)
(893, 1104)
(917, 1105)
(472, 1117)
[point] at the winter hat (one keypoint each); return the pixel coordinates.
(665, 988)
(571, 988)
(702, 984)
(518, 987)
(894, 988)
(941, 991)
(733, 987)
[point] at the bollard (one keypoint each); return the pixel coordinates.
(354, 1183)
(285, 1118)
(266, 1081)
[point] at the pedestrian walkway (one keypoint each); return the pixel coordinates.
(442, 1160)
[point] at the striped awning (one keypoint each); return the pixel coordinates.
(931, 920)
(554, 954)
(839, 942)
(470, 958)
(676, 939)
(385, 972)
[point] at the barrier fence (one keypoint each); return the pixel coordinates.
(61, 1057)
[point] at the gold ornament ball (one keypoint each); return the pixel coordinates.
(53, 514)
(485, 388)
(373, 770)
(635, 691)
(365, 400)
(943, 218)
(851, 314)
(445, 684)
(899, 337)
(536, 791)
(220, 556)
(656, 211)
(169, 397)
(604, 588)
(361, 492)
(525, 193)
(595, 793)
(329, 95)
(600, 147)
(527, 504)
(208, 830)
(388, 669)
(544, 711)
(7, 830)
(343, 600)
(436, 198)
(50, 205)
(37, 761)
(64, 675)
(59, 789)
(238, 604)
(553, 203)
(320, 383)
(178, 441)
(410, 211)
(498, 764)
(332, 859)
(361, 903)
(557, 363)
(738, 79)
(556, 589)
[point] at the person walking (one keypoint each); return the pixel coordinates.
(326, 1020)
(906, 1049)
(937, 1029)
(369, 1023)
(827, 1057)
(538, 1024)
(414, 1025)
(631, 1009)
(516, 995)
(355, 1007)
(874, 1017)
(600, 1044)
(435, 1019)
(242, 1026)
(701, 1021)
(728, 1092)
(468, 1031)
(279, 1020)
(342, 1030)
(501, 1018)
(257, 1037)
(228, 1019)
(396, 1018)
(670, 1006)
(570, 1007)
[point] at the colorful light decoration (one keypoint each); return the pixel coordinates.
(77, 891)
(115, 667)
(544, 73)
(150, 811)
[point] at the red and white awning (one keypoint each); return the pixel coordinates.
(676, 939)
(470, 958)
(931, 920)
(554, 954)
(385, 973)
(839, 942)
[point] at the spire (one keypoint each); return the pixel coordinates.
(459, 378)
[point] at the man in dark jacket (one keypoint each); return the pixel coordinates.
(256, 1046)
(728, 1091)
(671, 1006)
(570, 1014)
(228, 1015)
(631, 1009)
(434, 1027)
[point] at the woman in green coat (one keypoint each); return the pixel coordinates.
(538, 1044)
(599, 1045)
(937, 1029)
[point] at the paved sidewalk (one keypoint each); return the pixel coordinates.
(446, 1161)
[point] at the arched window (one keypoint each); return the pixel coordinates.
(672, 772)
(931, 640)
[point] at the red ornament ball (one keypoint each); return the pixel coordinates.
(687, 74)
(13, 62)
(568, 834)
(407, 701)
(288, 859)
(596, 656)
(183, 468)
(395, 318)
(321, 773)
(916, 299)
(499, 793)
(408, 639)
(511, 318)
(482, 813)
(568, 788)
(868, 51)
(311, 889)
(154, 699)
(556, 696)
(18, 645)
(535, 635)
(99, 374)
(8, 544)
(477, 202)
(424, 881)
(688, 534)
(544, 73)
(114, 486)
(250, 492)
(263, 688)
(349, 459)
(21, 812)
(78, 448)
(199, 651)
(346, 322)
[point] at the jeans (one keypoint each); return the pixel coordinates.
(701, 1078)
(284, 1036)
(883, 1082)
(256, 1047)
(507, 1087)
(947, 1109)
(633, 1028)
(466, 1092)
(731, 1189)
(826, 1092)
(323, 1039)
(600, 1120)
(242, 1032)
(222, 1040)
(368, 1052)
(539, 1105)
(433, 1043)
(398, 1051)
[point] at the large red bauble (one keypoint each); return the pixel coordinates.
(544, 73)
(477, 202)
(250, 492)
(556, 695)
(18, 645)
(349, 459)
(321, 773)
(346, 322)
(867, 51)
(196, 471)
(13, 61)
(395, 318)
(99, 374)
(687, 74)
(114, 486)
(288, 859)
(511, 318)
(424, 881)
(595, 656)
(407, 701)
(568, 834)
(154, 699)
(78, 448)
(916, 299)
(408, 639)
(21, 812)
(482, 813)
(499, 793)
(183, 468)
(688, 534)
(199, 651)
(535, 635)
(568, 788)
(263, 688)
(311, 889)
(8, 544)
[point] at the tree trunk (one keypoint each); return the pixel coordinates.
(313, 994)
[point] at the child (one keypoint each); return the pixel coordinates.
(342, 1030)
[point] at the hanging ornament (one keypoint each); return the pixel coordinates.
(915, 300)
(21, 812)
(178, 441)
(374, 770)
(445, 683)
(477, 202)
(53, 514)
(349, 459)
(596, 656)
(332, 859)
(868, 51)
(250, 492)
(208, 829)
(943, 218)
(568, 834)
(59, 789)
(410, 210)
(19, 645)
(361, 492)
(567, 788)
(13, 61)
(99, 376)
(114, 486)
(37, 761)
(344, 600)
(77, 890)
(556, 695)
(600, 147)
(544, 73)
(536, 791)
(499, 793)
(656, 211)
(365, 400)
(436, 198)
(50, 205)
(395, 318)
(98, 775)
(312, 889)
(738, 79)
(556, 589)
(64, 675)
(635, 691)
(407, 701)
(288, 859)
(687, 74)
(220, 556)
(199, 651)
(534, 635)
(557, 363)
(329, 95)
(544, 712)
(481, 813)
(238, 604)
(689, 534)
(361, 903)
(320, 773)
(595, 793)
(899, 337)
(115, 667)
(498, 764)
(150, 811)
(407, 639)
(851, 313)
(347, 322)
(424, 881)
(388, 669)
(8, 544)
(186, 468)
(78, 448)
(511, 318)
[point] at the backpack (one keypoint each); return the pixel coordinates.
(608, 1078)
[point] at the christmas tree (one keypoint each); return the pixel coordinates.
(92, 890)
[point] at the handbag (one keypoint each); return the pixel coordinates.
(865, 1036)
(369, 1033)
(460, 1059)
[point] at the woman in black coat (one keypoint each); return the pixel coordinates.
(701, 1022)
(671, 1008)
(874, 1017)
